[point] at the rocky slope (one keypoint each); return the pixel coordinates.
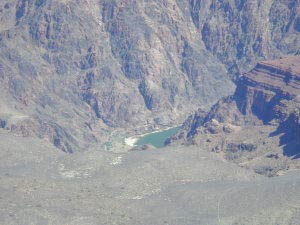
(177, 186)
(242, 32)
(73, 71)
(260, 121)
(76, 69)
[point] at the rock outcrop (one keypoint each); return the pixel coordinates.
(262, 89)
(263, 113)
(240, 32)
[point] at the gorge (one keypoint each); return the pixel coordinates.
(82, 80)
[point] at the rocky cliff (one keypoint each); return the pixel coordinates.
(260, 120)
(242, 32)
(73, 71)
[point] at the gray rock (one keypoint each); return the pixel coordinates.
(123, 64)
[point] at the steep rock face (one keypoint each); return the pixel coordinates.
(239, 32)
(289, 130)
(261, 92)
(93, 66)
(90, 66)
(268, 94)
(156, 48)
(264, 112)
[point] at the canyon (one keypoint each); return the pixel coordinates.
(81, 78)
(259, 125)
(73, 73)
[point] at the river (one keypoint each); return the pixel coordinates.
(157, 139)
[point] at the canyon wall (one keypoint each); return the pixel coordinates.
(261, 120)
(85, 68)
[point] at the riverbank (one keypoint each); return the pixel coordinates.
(131, 141)
(155, 138)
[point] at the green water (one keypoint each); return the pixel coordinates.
(157, 139)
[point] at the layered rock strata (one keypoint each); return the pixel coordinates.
(263, 113)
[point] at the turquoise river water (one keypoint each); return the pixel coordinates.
(157, 139)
